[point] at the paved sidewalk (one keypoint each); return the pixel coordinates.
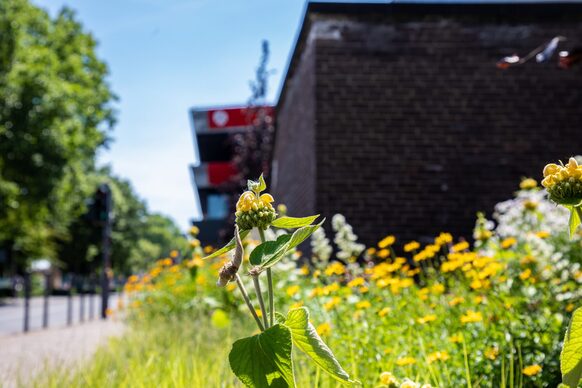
(24, 355)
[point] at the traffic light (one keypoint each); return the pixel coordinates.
(100, 208)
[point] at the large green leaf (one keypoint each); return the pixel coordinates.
(571, 357)
(575, 219)
(264, 360)
(303, 233)
(269, 249)
(296, 238)
(293, 222)
(305, 337)
(228, 247)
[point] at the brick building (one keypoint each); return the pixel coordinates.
(396, 114)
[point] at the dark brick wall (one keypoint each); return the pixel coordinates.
(294, 170)
(416, 129)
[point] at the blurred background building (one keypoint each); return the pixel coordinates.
(397, 116)
(217, 178)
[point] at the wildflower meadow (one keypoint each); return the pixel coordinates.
(258, 312)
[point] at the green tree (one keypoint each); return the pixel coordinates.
(137, 237)
(55, 110)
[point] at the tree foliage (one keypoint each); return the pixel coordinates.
(55, 110)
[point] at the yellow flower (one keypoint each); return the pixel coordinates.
(195, 262)
(508, 242)
(570, 307)
(335, 268)
(332, 303)
(443, 239)
(472, 317)
(356, 282)
(456, 300)
(458, 247)
(427, 319)
(403, 361)
(364, 289)
(266, 198)
(330, 288)
(245, 202)
(564, 183)
(437, 288)
(543, 234)
(438, 356)
(525, 274)
(371, 251)
(456, 338)
(363, 305)
(527, 260)
(532, 370)
(385, 311)
(304, 270)
(387, 241)
(383, 253)
(492, 353)
(528, 184)
(323, 329)
(208, 249)
(293, 290)
(411, 246)
(254, 211)
(478, 299)
(388, 379)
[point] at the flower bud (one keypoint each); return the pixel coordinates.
(564, 183)
(253, 211)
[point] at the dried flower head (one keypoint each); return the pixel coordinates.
(229, 270)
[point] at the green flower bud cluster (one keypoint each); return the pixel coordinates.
(253, 211)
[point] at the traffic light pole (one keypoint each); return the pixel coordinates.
(105, 245)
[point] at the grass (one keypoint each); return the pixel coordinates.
(174, 352)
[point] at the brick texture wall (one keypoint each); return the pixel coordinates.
(294, 170)
(413, 129)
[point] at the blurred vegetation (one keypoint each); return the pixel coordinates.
(56, 112)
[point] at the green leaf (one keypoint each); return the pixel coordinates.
(575, 218)
(305, 337)
(262, 184)
(228, 247)
(280, 318)
(257, 186)
(296, 238)
(571, 356)
(264, 360)
(293, 222)
(269, 249)
(303, 233)
(575, 215)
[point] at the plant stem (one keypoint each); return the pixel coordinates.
(270, 286)
(260, 296)
(248, 301)
(271, 299)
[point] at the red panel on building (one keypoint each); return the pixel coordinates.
(235, 117)
(220, 172)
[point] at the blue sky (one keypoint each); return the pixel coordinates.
(166, 56)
